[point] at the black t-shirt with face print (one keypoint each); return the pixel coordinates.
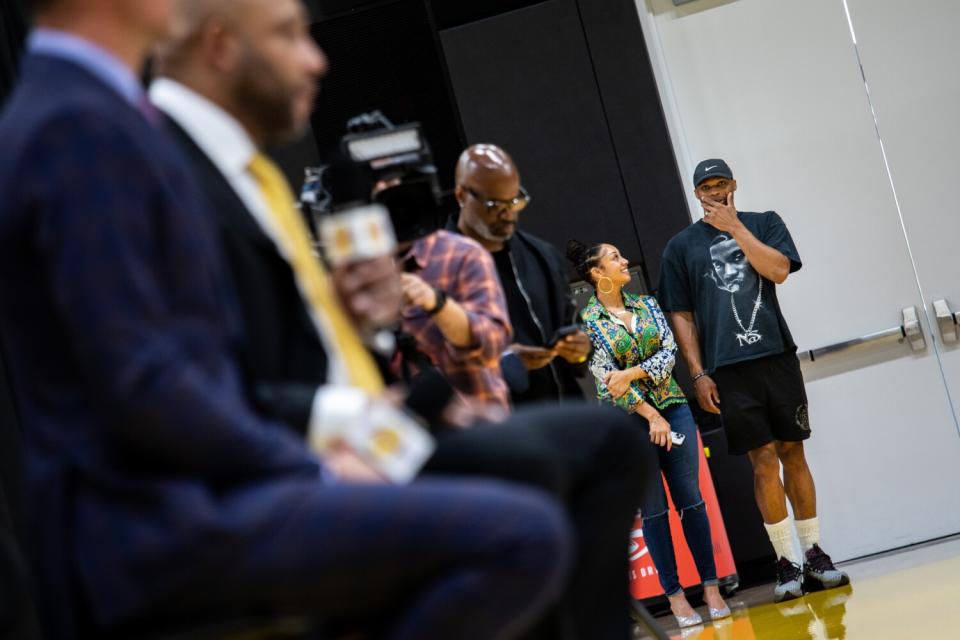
(737, 312)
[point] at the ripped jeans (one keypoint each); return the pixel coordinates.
(680, 466)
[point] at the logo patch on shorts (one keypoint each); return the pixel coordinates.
(803, 417)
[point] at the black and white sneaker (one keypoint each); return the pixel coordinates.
(819, 572)
(789, 581)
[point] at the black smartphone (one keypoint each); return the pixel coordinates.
(562, 333)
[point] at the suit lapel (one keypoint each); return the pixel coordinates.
(226, 205)
(232, 214)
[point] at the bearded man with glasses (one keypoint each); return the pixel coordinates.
(547, 353)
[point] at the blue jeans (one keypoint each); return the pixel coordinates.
(680, 466)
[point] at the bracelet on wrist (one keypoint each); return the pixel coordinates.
(441, 301)
(702, 374)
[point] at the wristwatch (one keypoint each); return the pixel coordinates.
(441, 300)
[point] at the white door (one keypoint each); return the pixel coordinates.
(775, 88)
(910, 54)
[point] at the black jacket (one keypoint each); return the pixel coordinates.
(281, 357)
(529, 253)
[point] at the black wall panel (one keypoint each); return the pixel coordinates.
(386, 56)
(733, 481)
(331, 8)
(446, 13)
(564, 85)
(524, 80)
(294, 156)
(637, 124)
(13, 31)
(453, 13)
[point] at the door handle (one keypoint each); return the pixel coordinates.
(946, 321)
(911, 330)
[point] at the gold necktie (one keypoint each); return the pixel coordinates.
(312, 277)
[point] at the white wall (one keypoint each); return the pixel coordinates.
(775, 88)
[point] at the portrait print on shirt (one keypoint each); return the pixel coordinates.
(732, 273)
(706, 272)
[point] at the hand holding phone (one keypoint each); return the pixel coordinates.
(571, 344)
(533, 358)
(562, 333)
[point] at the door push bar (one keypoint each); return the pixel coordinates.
(910, 331)
(946, 321)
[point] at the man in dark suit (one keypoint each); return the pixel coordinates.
(154, 489)
(221, 111)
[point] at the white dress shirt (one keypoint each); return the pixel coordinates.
(228, 145)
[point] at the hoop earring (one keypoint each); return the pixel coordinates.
(610, 290)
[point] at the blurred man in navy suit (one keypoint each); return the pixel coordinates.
(154, 490)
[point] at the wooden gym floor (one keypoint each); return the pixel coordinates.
(908, 594)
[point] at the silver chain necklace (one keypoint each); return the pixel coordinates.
(749, 335)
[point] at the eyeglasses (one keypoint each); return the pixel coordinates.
(513, 205)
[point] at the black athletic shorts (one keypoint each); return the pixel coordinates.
(762, 401)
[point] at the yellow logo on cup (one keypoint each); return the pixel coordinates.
(359, 233)
(343, 240)
(386, 441)
(375, 230)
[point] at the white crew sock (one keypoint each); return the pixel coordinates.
(808, 531)
(781, 536)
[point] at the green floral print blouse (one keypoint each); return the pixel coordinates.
(650, 346)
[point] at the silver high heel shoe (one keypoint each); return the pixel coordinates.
(689, 621)
(717, 614)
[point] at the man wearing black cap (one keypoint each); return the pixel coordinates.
(718, 281)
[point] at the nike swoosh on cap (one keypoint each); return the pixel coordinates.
(708, 168)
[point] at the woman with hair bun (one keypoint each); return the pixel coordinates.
(633, 358)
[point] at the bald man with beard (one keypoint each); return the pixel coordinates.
(537, 366)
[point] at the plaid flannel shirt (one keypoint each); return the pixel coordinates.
(466, 273)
